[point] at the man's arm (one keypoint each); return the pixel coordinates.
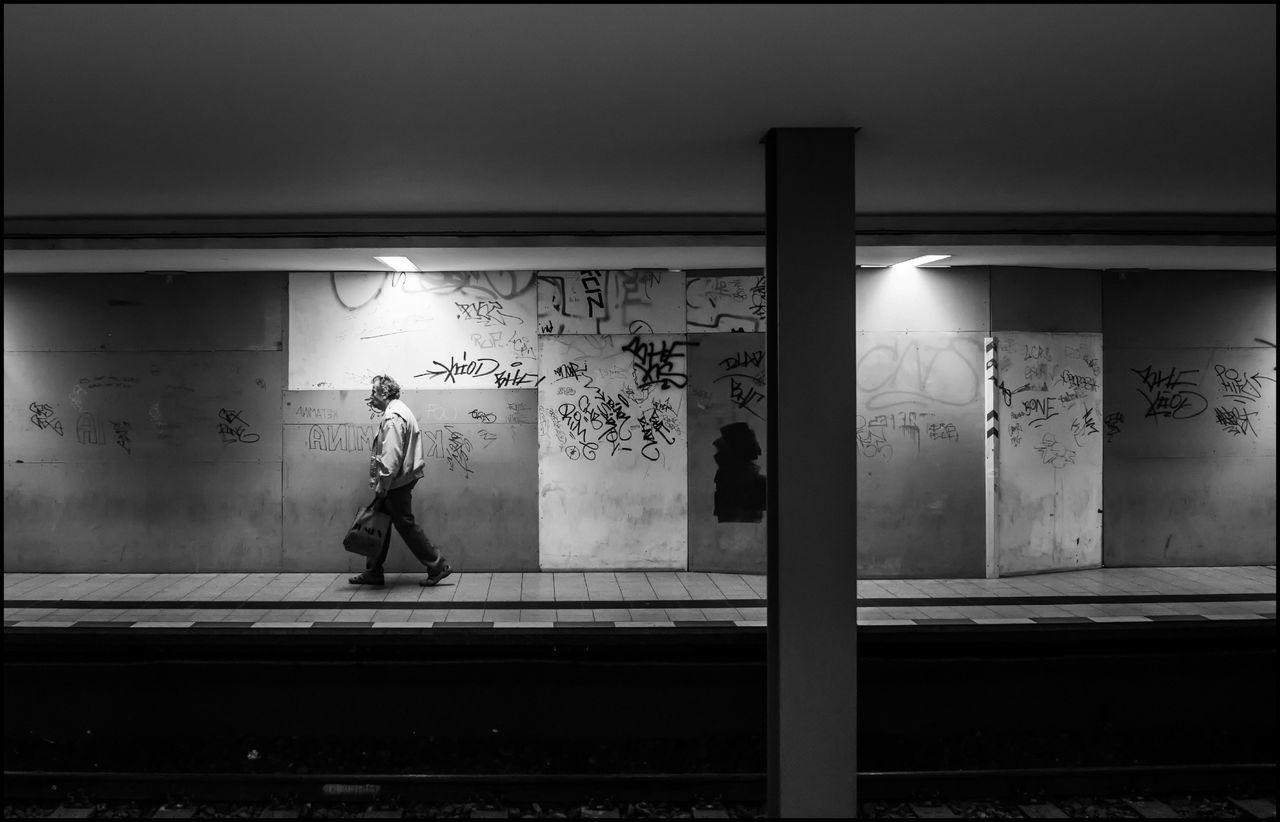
(387, 464)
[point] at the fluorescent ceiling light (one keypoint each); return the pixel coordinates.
(919, 261)
(398, 263)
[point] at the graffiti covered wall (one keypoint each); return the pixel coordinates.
(476, 501)
(448, 331)
(142, 422)
(600, 419)
(1048, 483)
(1190, 429)
(612, 452)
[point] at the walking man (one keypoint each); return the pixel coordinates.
(395, 467)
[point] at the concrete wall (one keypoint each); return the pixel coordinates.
(919, 418)
(728, 443)
(477, 501)
(150, 425)
(1190, 452)
(1046, 411)
(1046, 300)
(1048, 476)
(612, 452)
(612, 433)
(728, 439)
(217, 422)
(142, 426)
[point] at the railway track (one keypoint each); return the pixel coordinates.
(1170, 791)
(587, 726)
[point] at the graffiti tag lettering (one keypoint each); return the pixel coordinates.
(653, 426)
(943, 431)
(570, 371)
(745, 396)
(907, 423)
(871, 439)
(1243, 389)
(1240, 385)
(516, 376)
(759, 302)
(485, 312)
(89, 430)
(1039, 410)
(1236, 421)
(341, 437)
(122, 429)
(42, 417)
(307, 412)
(233, 428)
(1168, 393)
(1084, 425)
(1078, 382)
(743, 359)
(459, 453)
(487, 342)
(918, 373)
(594, 293)
(1006, 395)
(658, 363)
(466, 367)
(1112, 423)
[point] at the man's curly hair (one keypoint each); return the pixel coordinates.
(384, 383)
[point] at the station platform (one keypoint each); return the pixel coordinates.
(555, 601)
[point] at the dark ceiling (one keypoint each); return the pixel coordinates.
(253, 113)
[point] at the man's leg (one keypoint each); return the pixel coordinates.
(399, 504)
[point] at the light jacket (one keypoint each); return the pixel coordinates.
(397, 450)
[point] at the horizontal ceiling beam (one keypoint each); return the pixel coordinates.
(73, 233)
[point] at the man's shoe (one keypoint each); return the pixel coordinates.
(366, 579)
(438, 574)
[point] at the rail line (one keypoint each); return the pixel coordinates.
(671, 787)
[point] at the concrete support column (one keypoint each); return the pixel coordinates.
(812, 518)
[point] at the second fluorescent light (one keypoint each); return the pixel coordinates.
(398, 263)
(919, 261)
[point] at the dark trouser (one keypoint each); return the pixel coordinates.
(399, 504)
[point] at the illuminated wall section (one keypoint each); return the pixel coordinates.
(441, 331)
(463, 348)
(919, 369)
(612, 424)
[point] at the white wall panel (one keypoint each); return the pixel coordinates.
(726, 303)
(640, 301)
(613, 452)
(1049, 456)
(428, 331)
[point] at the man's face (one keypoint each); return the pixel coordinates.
(377, 400)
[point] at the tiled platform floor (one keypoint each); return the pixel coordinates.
(623, 600)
